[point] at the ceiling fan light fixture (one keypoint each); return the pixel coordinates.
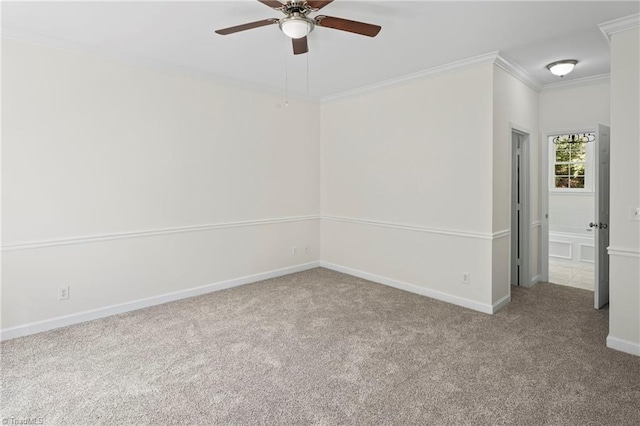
(562, 68)
(296, 26)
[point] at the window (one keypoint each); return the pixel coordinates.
(570, 162)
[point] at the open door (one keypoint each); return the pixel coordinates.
(601, 293)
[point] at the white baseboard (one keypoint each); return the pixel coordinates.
(63, 321)
(501, 303)
(622, 345)
(412, 288)
(535, 280)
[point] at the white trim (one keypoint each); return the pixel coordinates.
(151, 232)
(543, 188)
(581, 258)
(562, 242)
(501, 303)
(518, 72)
(66, 320)
(589, 174)
(535, 280)
(571, 192)
(623, 252)
(412, 288)
(622, 345)
(409, 227)
(578, 82)
(500, 234)
(451, 67)
(536, 224)
(523, 135)
(494, 57)
(621, 24)
(572, 235)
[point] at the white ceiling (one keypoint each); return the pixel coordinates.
(416, 35)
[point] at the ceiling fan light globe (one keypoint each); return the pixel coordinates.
(295, 28)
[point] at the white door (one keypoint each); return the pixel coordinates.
(601, 293)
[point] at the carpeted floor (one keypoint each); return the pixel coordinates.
(319, 347)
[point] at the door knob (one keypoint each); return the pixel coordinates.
(603, 226)
(593, 225)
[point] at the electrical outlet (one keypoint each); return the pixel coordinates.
(63, 293)
(466, 278)
(294, 251)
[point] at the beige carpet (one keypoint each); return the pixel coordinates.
(319, 347)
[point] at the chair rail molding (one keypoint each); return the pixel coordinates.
(623, 252)
(410, 227)
(152, 232)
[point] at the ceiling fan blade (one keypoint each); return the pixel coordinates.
(247, 26)
(318, 4)
(274, 4)
(300, 45)
(348, 25)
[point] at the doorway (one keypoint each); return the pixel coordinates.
(575, 206)
(520, 215)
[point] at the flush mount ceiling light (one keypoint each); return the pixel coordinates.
(296, 25)
(562, 68)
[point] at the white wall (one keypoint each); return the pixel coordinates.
(97, 148)
(574, 108)
(570, 237)
(624, 249)
(406, 183)
(514, 105)
(571, 213)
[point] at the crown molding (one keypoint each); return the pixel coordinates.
(452, 67)
(494, 57)
(621, 24)
(518, 72)
(584, 81)
(75, 47)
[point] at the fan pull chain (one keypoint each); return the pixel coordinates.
(286, 73)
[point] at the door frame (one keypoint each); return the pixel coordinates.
(525, 219)
(544, 195)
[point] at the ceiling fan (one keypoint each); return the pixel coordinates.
(296, 23)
